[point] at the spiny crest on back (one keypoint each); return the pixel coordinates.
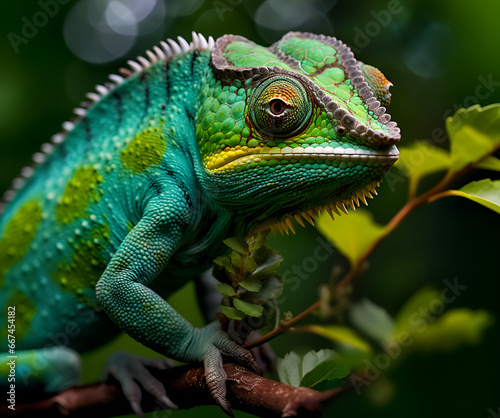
(166, 50)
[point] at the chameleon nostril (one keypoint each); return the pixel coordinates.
(341, 130)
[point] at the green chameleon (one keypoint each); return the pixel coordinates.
(196, 143)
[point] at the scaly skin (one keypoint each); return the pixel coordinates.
(205, 143)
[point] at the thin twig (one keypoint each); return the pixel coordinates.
(354, 272)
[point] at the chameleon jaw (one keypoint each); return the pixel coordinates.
(286, 224)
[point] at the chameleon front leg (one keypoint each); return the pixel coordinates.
(124, 294)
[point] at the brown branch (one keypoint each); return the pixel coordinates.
(186, 387)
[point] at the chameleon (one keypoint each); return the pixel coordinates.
(193, 143)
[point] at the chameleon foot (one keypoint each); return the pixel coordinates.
(127, 369)
(216, 344)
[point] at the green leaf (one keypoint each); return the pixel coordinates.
(237, 244)
(474, 133)
(485, 192)
(258, 240)
(225, 262)
(249, 265)
(454, 329)
(251, 284)
(326, 371)
(268, 262)
(321, 366)
(272, 286)
(249, 308)
(236, 259)
(225, 289)
(490, 163)
(417, 307)
(339, 334)
(372, 320)
(232, 313)
(327, 384)
(352, 234)
(290, 369)
(313, 369)
(421, 159)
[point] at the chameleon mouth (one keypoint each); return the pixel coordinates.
(234, 157)
(286, 224)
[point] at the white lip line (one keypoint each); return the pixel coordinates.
(381, 158)
(331, 151)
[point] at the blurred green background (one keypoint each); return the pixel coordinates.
(439, 55)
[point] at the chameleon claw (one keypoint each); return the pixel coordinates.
(165, 400)
(224, 405)
(137, 409)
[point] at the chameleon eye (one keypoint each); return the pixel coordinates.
(280, 107)
(341, 130)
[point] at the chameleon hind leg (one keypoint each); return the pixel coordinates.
(124, 294)
(50, 370)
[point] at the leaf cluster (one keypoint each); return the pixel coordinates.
(248, 279)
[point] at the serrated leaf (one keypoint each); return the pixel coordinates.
(251, 284)
(237, 244)
(340, 334)
(421, 159)
(248, 308)
(474, 133)
(485, 192)
(225, 289)
(312, 358)
(290, 369)
(323, 365)
(372, 320)
(453, 329)
(352, 234)
(325, 371)
(232, 313)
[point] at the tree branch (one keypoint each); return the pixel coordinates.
(186, 387)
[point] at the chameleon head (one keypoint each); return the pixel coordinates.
(293, 128)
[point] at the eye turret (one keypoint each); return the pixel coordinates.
(280, 107)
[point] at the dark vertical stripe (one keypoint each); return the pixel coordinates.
(193, 60)
(86, 128)
(145, 83)
(118, 105)
(167, 82)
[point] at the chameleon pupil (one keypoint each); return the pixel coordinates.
(277, 107)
